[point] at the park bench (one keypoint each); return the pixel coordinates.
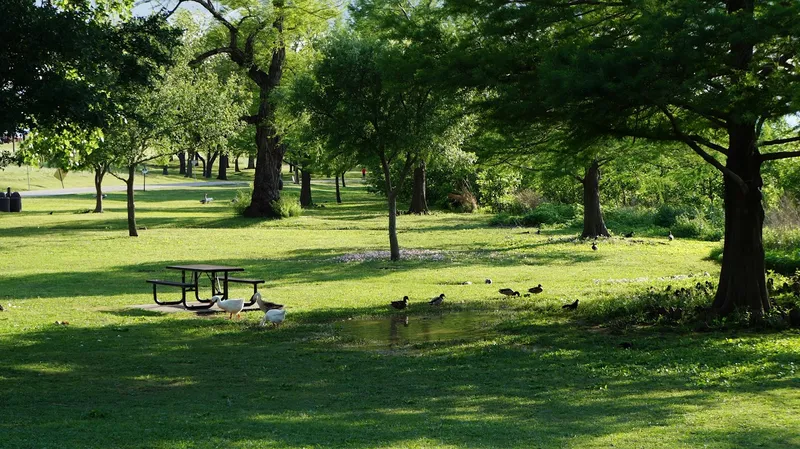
(184, 286)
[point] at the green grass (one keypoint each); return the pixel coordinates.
(536, 377)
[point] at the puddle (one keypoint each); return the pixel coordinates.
(401, 330)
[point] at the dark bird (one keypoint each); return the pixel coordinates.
(594, 246)
(400, 305)
(527, 295)
(670, 236)
(626, 345)
(538, 231)
(1, 308)
(51, 213)
(629, 235)
(573, 306)
(488, 281)
(437, 301)
(536, 290)
(669, 287)
(508, 292)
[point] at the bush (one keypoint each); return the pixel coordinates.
(546, 213)
(697, 227)
(782, 248)
(241, 201)
(666, 216)
(287, 206)
(629, 217)
(525, 200)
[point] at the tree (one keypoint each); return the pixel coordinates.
(707, 74)
(364, 97)
(255, 36)
(61, 59)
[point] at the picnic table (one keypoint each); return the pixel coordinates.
(218, 275)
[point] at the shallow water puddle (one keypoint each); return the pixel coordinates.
(401, 330)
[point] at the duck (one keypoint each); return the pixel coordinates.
(488, 281)
(508, 292)
(536, 290)
(670, 236)
(629, 235)
(437, 301)
(265, 306)
(275, 316)
(572, 306)
(206, 199)
(594, 246)
(402, 304)
(229, 305)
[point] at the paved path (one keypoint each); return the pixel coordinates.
(106, 189)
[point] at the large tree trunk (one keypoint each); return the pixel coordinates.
(236, 164)
(391, 196)
(338, 193)
(296, 177)
(223, 167)
(182, 162)
(419, 200)
(99, 173)
(131, 209)
(209, 167)
(251, 163)
(200, 158)
(344, 185)
(742, 282)
(593, 223)
(268, 172)
(305, 189)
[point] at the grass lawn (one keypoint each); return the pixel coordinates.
(521, 372)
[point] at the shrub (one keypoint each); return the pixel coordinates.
(666, 215)
(785, 215)
(287, 206)
(546, 213)
(697, 227)
(629, 217)
(526, 200)
(241, 201)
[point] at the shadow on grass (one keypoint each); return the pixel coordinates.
(158, 382)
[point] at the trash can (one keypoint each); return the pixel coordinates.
(5, 203)
(15, 203)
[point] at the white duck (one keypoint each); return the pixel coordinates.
(206, 199)
(275, 316)
(229, 305)
(265, 306)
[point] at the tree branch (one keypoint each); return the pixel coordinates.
(709, 144)
(203, 56)
(707, 157)
(767, 143)
(779, 155)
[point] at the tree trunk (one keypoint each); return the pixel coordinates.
(338, 194)
(131, 209)
(182, 161)
(251, 163)
(268, 172)
(305, 189)
(223, 167)
(212, 157)
(236, 164)
(419, 200)
(99, 172)
(296, 175)
(593, 224)
(742, 282)
(344, 185)
(391, 196)
(197, 157)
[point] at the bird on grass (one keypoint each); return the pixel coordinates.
(536, 290)
(437, 301)
(206, 199)
(51, 213)
(538, 231)
(275, 316)
(265, 306)
(629, 235)
(402, 304)
(508, 292)
(488, 281)
(229, 305)
(670, 236)
(1, 308)
(573, 306)
(594, 246)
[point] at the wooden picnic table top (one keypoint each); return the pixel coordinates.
(204, 268)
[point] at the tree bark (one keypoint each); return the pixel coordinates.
(200, 158)
(182, 162)
(223, 167)
(391, 196)
(296, 175)
(189, 166)
(209, 167)
(132, 232)
(251, 163)
(593, 223)
(344, 185)
(236, 164)
(268, 172)
(419, 200)
(338, 193)
(742, 280)
(305, 189)
(99, 173)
